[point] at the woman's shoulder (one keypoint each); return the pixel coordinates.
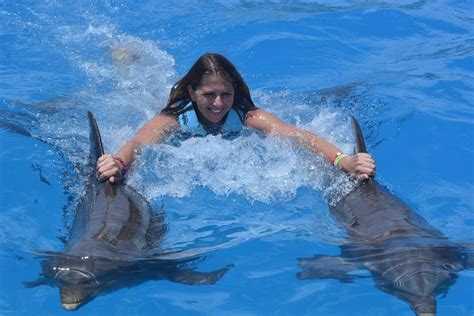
(262, 120)
(258, 114)
(164, 120)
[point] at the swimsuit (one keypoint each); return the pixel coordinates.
(190, 125)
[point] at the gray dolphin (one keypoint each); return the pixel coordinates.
(107, 250)
(405, 255)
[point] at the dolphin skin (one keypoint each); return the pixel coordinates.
(107, 250)
(405, 255)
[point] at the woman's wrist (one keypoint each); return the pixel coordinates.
(123, 165)
(337, 160)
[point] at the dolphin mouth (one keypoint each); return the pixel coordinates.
(72, 275)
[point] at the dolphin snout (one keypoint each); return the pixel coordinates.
(425, 306)
(76, 287)
(75, 295)
(72, 297)
(70, 307)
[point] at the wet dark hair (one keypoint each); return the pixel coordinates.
(209, 64)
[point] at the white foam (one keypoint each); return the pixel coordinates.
(131, 83)
(259, 168)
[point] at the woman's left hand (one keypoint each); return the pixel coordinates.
(361, 165)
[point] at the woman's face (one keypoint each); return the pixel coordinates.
(213, 97)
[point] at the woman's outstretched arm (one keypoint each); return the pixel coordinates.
(113, 167)
(361, 165)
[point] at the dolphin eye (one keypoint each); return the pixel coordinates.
(449, 266)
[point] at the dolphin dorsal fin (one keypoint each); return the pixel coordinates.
(359, 136)
(97, 149)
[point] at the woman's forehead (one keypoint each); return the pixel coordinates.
(213, 81)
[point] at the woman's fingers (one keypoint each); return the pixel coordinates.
(104, 160)
(108, 169)
(364, 166)
(107, 174)
(362, 176)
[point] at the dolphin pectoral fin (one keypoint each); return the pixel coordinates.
(37, 282)
(327, 267)
(191, 277)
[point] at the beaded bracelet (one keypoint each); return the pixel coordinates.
(122, 163)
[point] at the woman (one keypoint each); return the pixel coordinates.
(212, 98)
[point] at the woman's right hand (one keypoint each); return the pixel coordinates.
(108, 168)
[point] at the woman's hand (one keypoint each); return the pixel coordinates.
(361, 165)
(108, 168)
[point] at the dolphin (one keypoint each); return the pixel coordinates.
(405, 255)
(112, 238)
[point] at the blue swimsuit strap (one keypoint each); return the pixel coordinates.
(189, 122)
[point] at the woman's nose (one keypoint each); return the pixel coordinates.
(218, 101)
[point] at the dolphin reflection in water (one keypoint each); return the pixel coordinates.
(405, 255)
(112, 229)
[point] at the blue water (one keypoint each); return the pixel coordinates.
(404, 68)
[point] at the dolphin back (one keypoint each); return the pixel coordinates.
(372, 213)
(113, 243)
(97, 148)
(359, 136)
(110, 218)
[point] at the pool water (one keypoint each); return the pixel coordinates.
(403, 68)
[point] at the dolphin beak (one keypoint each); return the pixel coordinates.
(71, 298)
(77, 286)
(424, 306)
(74, 295)
(70, 307)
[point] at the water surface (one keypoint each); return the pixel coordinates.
(404, 69)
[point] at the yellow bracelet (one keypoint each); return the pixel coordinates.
(338, 159)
